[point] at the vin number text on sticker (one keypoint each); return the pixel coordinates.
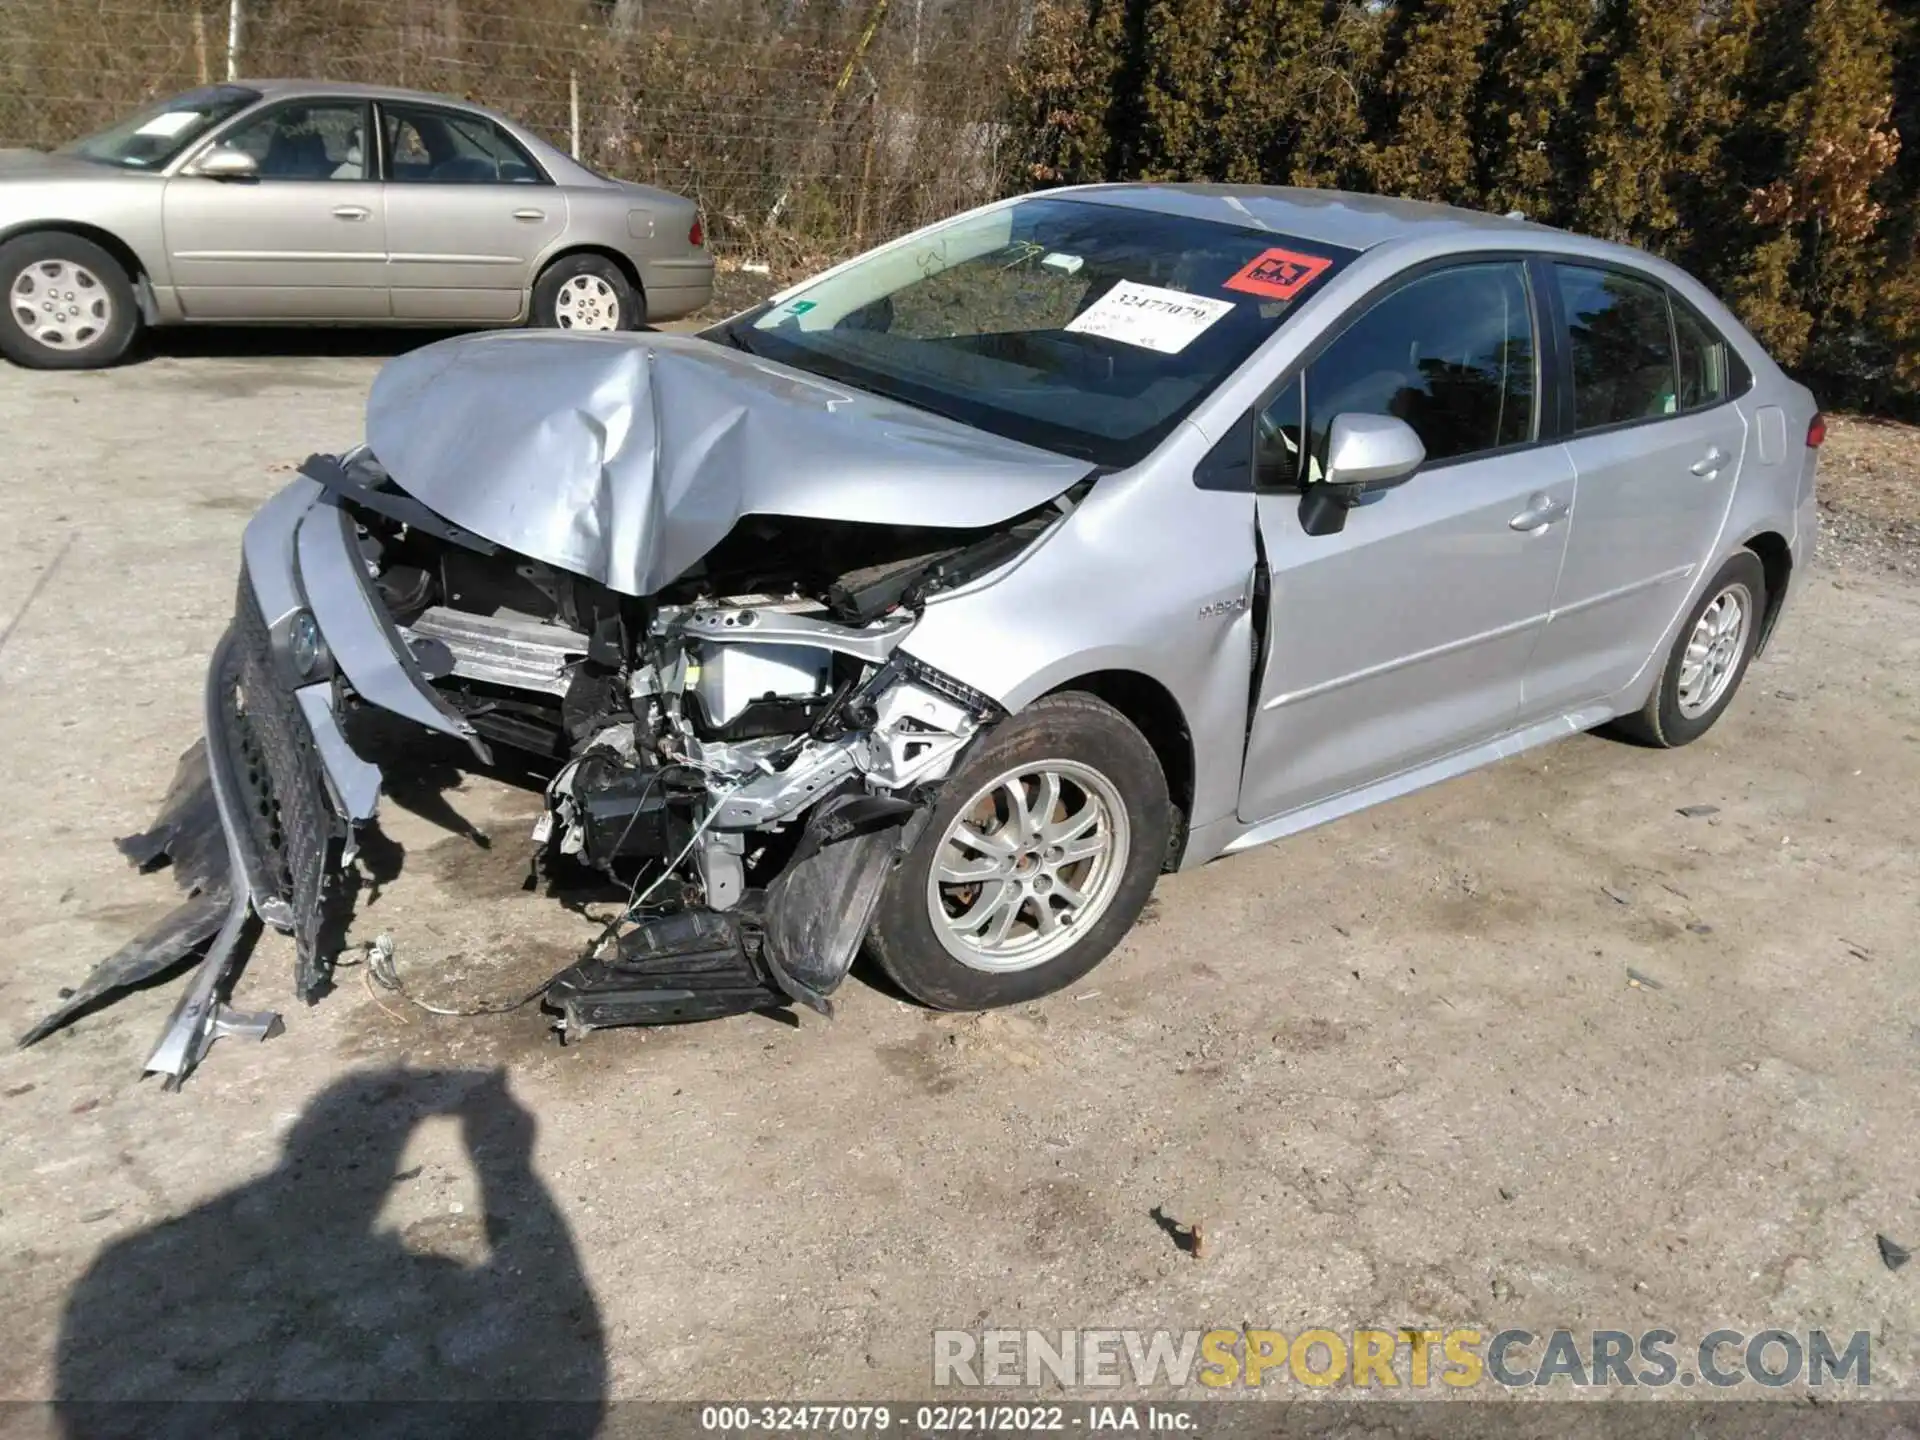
(1146, 315)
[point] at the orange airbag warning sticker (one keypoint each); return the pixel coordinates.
(1279, 274)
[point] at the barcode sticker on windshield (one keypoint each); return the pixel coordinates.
(169, 124)
(1145, 315)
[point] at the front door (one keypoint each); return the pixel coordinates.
(1656, 446)
(1405, 637)
(305, 239)
(468, 215)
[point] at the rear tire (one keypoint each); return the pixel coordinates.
(69, 303)
(1708, 660)
(586, 292)
(1066, 862)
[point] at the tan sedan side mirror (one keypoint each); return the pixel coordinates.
(223, 162)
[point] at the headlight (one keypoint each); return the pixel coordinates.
(303, 644)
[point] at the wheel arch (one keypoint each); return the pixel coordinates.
(1776, 564)
(624, 263)
(1152, 710)
(138, 273)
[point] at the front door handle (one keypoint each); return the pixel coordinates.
(1542, 510)
(529, 214)
(1708, 465)
(351, 212)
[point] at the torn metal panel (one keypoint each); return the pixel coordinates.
(626, 458)
(186, 832)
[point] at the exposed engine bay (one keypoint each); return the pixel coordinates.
(747, 751)
(750, 736)
(667, 579)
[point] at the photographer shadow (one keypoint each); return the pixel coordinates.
(282, 1290)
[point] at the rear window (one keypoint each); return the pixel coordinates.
(1621, 341)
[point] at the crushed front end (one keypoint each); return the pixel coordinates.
(748, 750)
(669, 581)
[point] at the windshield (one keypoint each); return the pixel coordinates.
(156, 134)
(1083, 328)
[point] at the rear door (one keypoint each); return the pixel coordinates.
(469, 212)
(1656, 443)
(1404, 638)
(304, 240)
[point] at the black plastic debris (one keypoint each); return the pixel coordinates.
(1694, 812)
(666, 970)
(188, 833)
(1894, 1256)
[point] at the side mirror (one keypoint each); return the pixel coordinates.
(1365, 454)
(223, 162)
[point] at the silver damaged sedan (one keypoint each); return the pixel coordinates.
(294, 201)
(942, 603)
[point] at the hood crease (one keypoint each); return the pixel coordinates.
(626, 458)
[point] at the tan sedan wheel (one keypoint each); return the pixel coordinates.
(586, 292)
(69, 304)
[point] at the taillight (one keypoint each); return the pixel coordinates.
(696, 237)
(1816, 431)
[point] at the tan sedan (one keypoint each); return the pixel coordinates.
(293, 201)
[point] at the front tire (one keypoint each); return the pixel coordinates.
(69, 304)
(1708, 660)
(1043, 848)
(586, 292)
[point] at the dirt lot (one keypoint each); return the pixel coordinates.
(1396, 1067)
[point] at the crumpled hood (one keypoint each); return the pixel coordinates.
(626, 458)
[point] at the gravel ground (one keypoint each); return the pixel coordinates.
(1400, 1069)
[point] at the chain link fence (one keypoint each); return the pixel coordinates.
(804, 128)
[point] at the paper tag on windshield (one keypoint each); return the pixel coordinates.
(169, 124)
(1145, 315)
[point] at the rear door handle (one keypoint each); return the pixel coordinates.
(351, 212)
(1542, 510)
(1708, 465)
(529, 214)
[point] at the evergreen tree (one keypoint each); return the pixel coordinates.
(1423, 145)
(1340, 78)
(1531, 122)
(1629, 144)
(1065, 88)
(1181, 98)
(1817, 221)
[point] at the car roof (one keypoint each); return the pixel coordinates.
(1332, 217)
(285, 89)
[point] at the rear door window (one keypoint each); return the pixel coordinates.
(1620, 337)
(446, 147)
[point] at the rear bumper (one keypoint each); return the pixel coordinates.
(677, 287)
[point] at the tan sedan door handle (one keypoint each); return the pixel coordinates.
(529, 214)
(1542, 510)
(351, 212)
